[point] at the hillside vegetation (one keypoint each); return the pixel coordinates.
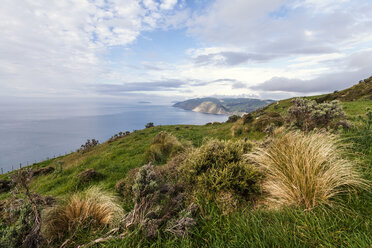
(296, 173)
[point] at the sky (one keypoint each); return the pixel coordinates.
(179, 49)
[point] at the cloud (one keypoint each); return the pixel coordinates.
(229, 58)
(58, 47)
(321, 84)
(115, 89)
(153, 66)
(168, 4)
(283, 28)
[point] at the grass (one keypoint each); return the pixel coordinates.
(305, 169)
(92, 207)
(355, 108)
(342, 225)
(114, 160)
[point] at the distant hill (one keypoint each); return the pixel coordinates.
(224, 106)
(362, 90)
(354, 100)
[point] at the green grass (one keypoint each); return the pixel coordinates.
(115, 159)
(345, 225)
(356, 108)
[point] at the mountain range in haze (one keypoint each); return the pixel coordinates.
(222, 106)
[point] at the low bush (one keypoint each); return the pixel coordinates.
(220, 166)
(89, 144)
(247, 118)
(304, 169)
(308, 114)
(124, 186)
(233, 118)
(158, 206)
(267, 119)
(163, 146)
(20, 219)
(150, 124)
(91, 209)
(5, 185)
(89, 175)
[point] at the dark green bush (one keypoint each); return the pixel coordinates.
(220, 166)
(247, 118)
(233, 118)
(150, 124)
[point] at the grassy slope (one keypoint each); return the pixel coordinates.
(347, 226)
(115, 159)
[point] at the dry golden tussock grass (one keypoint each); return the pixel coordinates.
(92, 208)
(304, 169)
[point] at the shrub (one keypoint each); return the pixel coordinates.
(304, 169)
(89, 144)
(150, 124)
(5, 185)
(92, 208)
(233, 118)
(247, 118)
(20, 214)
(267, 119)
(89, 175)
(124, 186)
(43, 171)
(162, 147)
(308, 114)
(158, 206)
(220, 166)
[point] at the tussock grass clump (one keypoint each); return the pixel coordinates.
(162, 147)
(220, 166)
(89, 209)
(304, 169)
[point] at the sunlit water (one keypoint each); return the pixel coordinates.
(33, 132)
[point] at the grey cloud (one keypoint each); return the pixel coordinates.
(235, 84)
(230, 58)
(152, 67)
(321, 84)
(238, 85)
(166, 85)
(351, 69)
(306, 27)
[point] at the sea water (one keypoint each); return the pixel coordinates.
(32, 132)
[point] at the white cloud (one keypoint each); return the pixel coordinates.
(168, 4)
(58, 46)
(284, 28)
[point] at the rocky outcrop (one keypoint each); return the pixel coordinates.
(211, 108)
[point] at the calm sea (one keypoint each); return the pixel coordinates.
(33, 132)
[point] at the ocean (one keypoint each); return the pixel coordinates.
(32, 132)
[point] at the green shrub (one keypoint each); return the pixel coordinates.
(233, 118)
(220, 166)
(308, 114)
(247, 118)
(267, 119)
(89, 144)
(158, 206)
(163, 146)
(150, 124)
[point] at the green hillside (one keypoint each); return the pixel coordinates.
(231, 212)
